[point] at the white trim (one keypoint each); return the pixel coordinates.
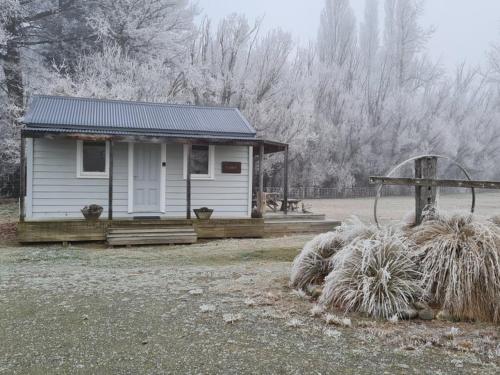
(130, 186)
(29, 176)
(250, 179)
(211, 165)
(163, 177)
(79, 163)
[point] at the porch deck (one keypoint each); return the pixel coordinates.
(82, 231)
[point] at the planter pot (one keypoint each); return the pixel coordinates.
(92, 213)
(203, 213)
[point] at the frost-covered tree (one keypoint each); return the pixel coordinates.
(28, 26)
(147, 27)
(361, 97)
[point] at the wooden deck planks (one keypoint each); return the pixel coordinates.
(82, 231)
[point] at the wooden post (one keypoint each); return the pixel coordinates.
(424, 195)
(188, 182)
(110, 182)
(285, 181)
(22, 180)
(261, 204)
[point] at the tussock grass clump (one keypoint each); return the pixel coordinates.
(313, 263)
(354, 229)
(459, 259)
(495, 220)
(376, 276)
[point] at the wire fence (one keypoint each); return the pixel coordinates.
(9, 188)
(355, 192)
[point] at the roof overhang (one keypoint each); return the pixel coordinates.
(138, 137)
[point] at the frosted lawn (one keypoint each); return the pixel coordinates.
(88, 309)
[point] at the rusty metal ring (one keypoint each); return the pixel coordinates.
(395, 169)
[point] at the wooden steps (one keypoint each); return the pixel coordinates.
(151, 235)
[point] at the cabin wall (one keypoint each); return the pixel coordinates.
(56, 192)
(227, 194)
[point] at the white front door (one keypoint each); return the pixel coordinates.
(147, 177)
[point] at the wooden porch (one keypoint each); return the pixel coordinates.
(87, 231)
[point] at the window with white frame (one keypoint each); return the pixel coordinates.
(202, 162)
(92, 159)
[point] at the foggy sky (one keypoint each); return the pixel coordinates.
(464, 29)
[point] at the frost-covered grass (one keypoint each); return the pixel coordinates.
(314, 262)
(8, 211)
(312, 265)
(460, 264)
(452, 261)
(90, 310)
(395, 209)
(376, 276)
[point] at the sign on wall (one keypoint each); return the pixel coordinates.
(231, 167)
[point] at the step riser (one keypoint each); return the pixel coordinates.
(153, 235)
(156, 241)
(150, 231)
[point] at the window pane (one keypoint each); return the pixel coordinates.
(199, 160)
(94, 156)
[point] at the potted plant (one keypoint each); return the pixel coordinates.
(92, 212)
(203, 213)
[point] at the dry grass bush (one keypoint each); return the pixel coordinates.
(376, 276)
(495, 220)
(313, 263)
(459, 257)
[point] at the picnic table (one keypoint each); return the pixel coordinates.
(293, 204)
(273, 201)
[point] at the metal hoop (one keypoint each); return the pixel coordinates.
(462, 168)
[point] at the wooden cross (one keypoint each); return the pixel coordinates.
(426, 184)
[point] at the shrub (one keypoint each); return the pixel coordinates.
(376, 276)
(313, 263)
(460, 264)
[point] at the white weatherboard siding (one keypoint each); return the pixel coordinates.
(227, 194)
(58, 193)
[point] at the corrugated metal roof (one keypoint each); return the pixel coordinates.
(104, 132)
(114, 116)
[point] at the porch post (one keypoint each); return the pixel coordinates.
(285, 180)
(260, 198)
(188, 181)
(22, 180)
(110, 186)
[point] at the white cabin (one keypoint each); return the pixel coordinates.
(134, 158)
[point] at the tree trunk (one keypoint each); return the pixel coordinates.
(11, 63)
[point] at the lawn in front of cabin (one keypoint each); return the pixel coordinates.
(214, 307)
